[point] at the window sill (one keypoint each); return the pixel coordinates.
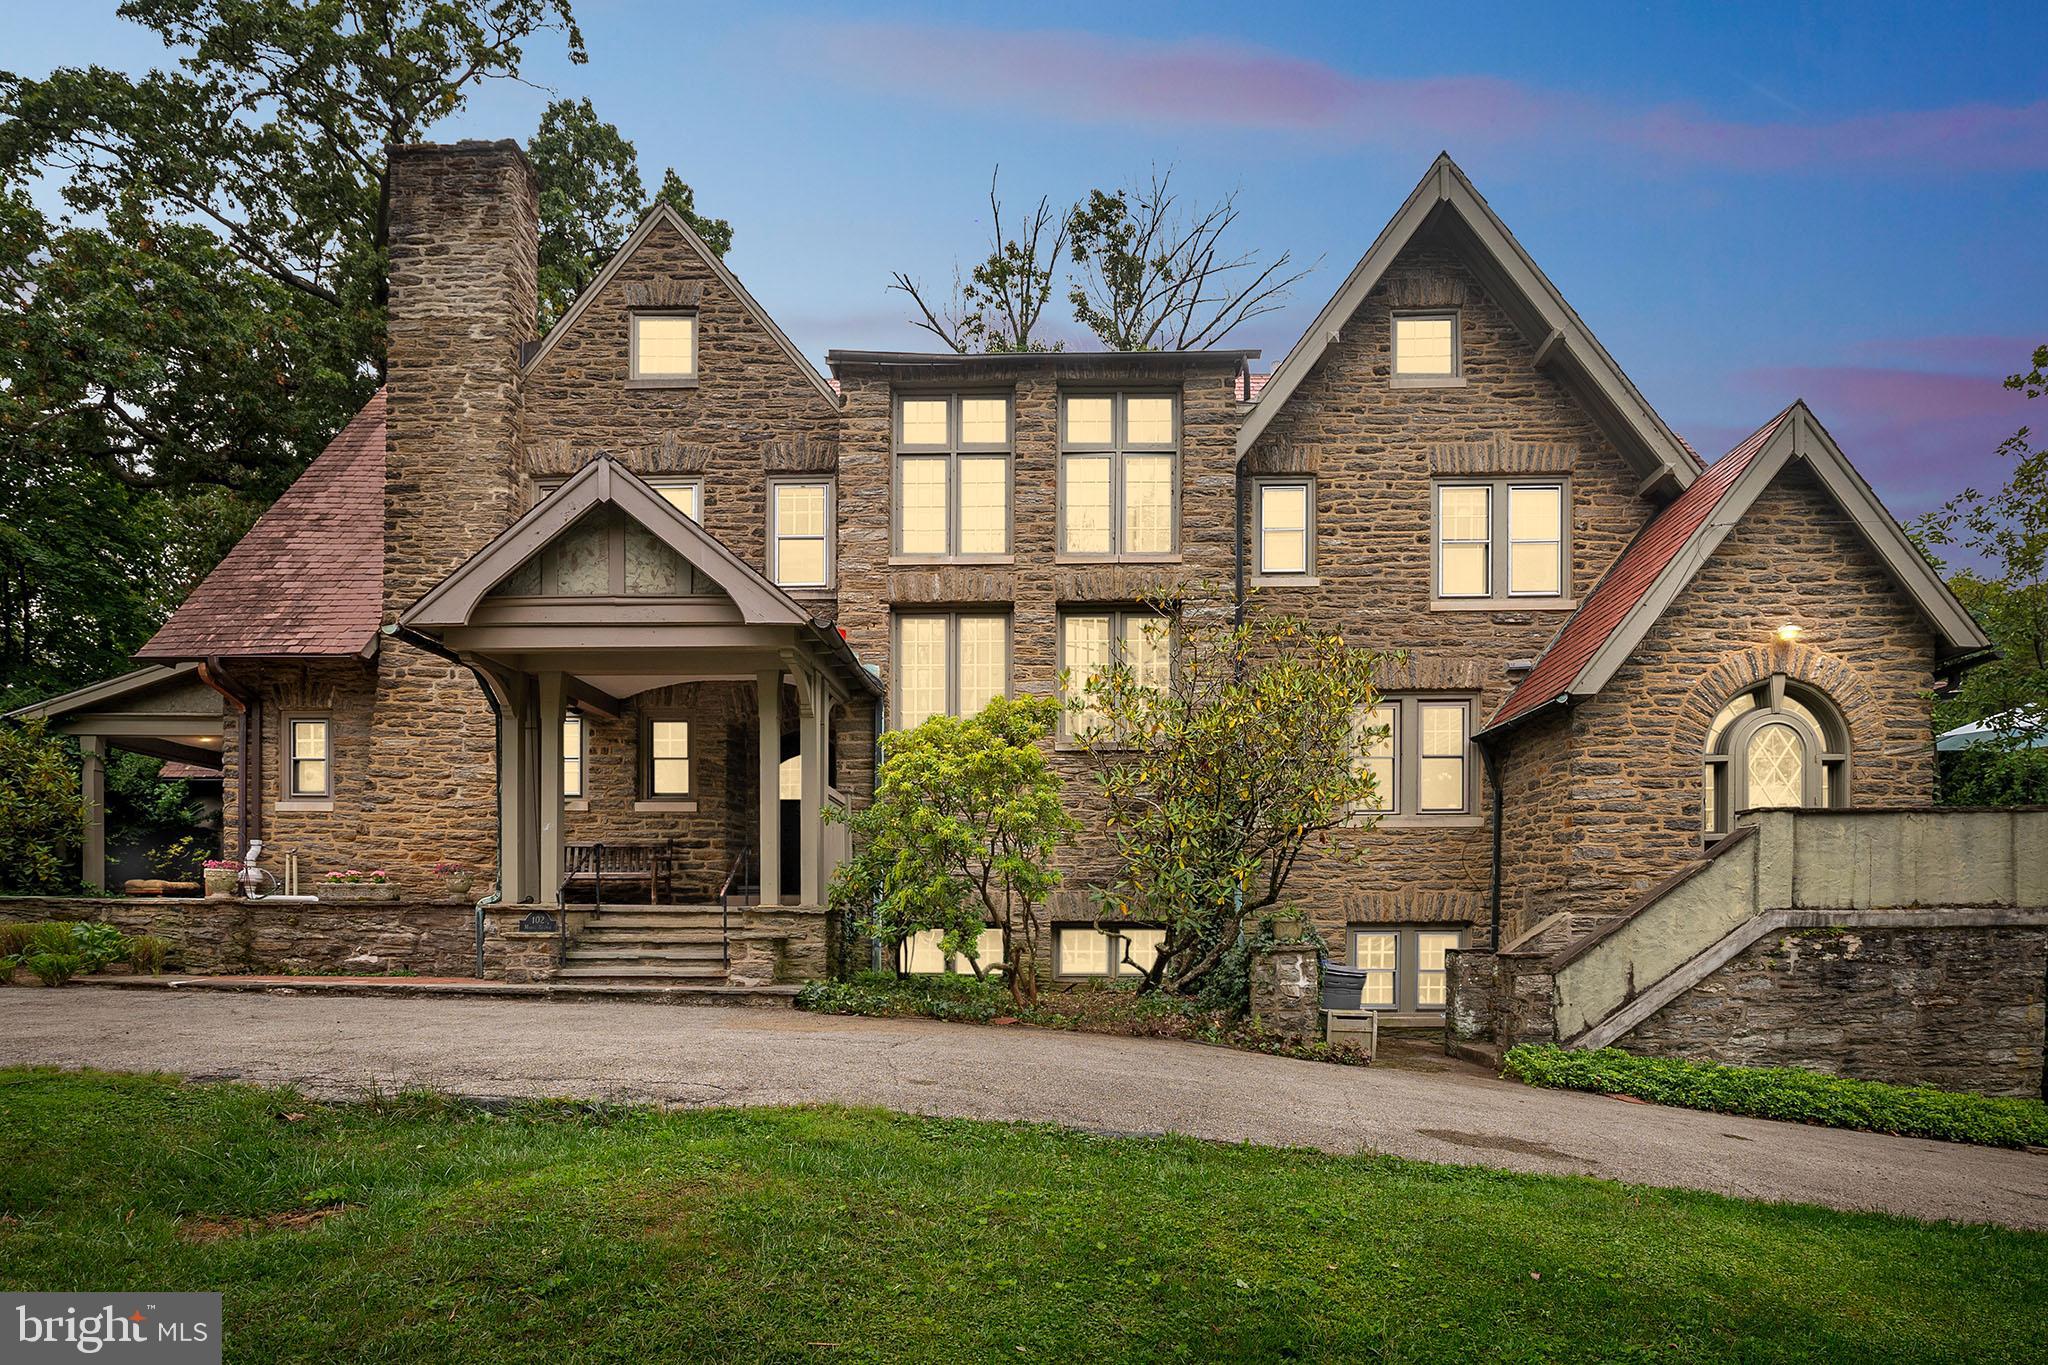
(666, 382)
(1427, 381)
(809, 592)
(666, 803)
(1285, 580)
(576, 804)
(1083, 560)
(1503, 604)
(1446, 821)
(303, 804)
(950, 561)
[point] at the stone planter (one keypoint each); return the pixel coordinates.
(457, 888)
(357, 893)
(220, 882)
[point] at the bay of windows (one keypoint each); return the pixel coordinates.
(952, 476)
(1119, 475)
(949, 663)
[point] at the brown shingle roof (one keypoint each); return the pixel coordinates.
(308, 579)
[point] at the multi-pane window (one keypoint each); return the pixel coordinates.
(306, 770)
(572, 755)
(1286, 527)
(949, 664)
(1127, 950)
(664, 346)
(921, 953)
(1778, 743)
(668, 757)
(800, 533)
(1119, 467)
(1091, 642)
(1500, 538)
(1418, 750)
(1403, 965)
(953, 476)
(1426, 346)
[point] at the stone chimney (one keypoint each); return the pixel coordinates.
(465, 225)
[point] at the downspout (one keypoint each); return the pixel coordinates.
(1489, 757)
(439, 650)
(214, 676)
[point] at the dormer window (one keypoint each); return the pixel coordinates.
(663, 349)
(1426, 350)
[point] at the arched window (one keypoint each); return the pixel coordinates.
(1778, 744)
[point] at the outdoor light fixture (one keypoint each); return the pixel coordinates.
(1790, 634)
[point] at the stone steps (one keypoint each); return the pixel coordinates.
(648, 945)
(648, 973)
(581, 953)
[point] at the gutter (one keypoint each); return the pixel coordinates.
(428, 644)
(248, 760)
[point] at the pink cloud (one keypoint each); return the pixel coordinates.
(1205, 82)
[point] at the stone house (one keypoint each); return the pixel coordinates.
(653, 583)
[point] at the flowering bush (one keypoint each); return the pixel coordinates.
(374, 875)
(223, 865)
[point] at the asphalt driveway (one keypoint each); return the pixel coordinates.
(704, 1056)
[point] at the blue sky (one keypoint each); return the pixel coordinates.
(1746, 203)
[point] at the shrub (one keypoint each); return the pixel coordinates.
(54, 969)
(147, 952)
(42, 815)
(883, 995)
(15, 937)
(51, 936)
(1788, 1093)
(97, 944)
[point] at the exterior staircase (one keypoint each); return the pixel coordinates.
(648, 945)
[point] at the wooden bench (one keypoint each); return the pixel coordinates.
(596, 868)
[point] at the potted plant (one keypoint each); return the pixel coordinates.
(457, 880)
(353, 886)
(220, 877)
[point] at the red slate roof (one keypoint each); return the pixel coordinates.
(1640, 565)
(308, 579)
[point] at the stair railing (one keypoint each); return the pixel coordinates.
(725, 908)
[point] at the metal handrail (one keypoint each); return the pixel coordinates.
(725, 907)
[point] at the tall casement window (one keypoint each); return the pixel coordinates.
(307, 772)
(663, 348)
(1403, 965)
(949, 663)
(1094, 641)
(572, 756)
(1418, 750)
(1501, 540)
(666, 742)
(1285, 527)
(1427, 350)
(1779, 743)
(952, 476)
(800, 533)
(1119, 475)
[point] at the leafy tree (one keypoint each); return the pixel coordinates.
(591, 198)
(961, 834)
(41, 811)
(1220, 770)
(1155, 274)
(1000, 304)
(2006, 533)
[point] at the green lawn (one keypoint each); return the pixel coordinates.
(557, 1233)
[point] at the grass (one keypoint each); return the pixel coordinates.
(1783, 1092)
(423, 1229)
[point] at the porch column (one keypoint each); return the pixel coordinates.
(549, 707)
(768, 710)
(513, 788)
(92, 786)
(817, 714)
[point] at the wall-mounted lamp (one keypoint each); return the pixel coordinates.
(1790, 634)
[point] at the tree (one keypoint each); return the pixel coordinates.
(1156, 275)
(999, 306)
(41, 811)
(1224, 751)
(592, 197)
(961, 834)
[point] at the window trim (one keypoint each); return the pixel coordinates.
(1828, 776)
(1305, 576)
(956, 448)
(1406, 809)
(647, 720)
(830, 536)
(1407, 961)
(582, 760)
(290, 790)
(638, 380)
(948, 968)
(1120, 616)
(1452, 380)
(1499, 548)
(1118, 448)
(952, 618)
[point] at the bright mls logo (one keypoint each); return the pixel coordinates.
(176, 1329)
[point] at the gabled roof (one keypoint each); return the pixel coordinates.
(307, 581)
(108, 692)
(604, 482)
(1669, 552)
(1446, 200)
(664, 215)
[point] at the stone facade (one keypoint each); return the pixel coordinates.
(1959, 1009)
(1286, 990)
